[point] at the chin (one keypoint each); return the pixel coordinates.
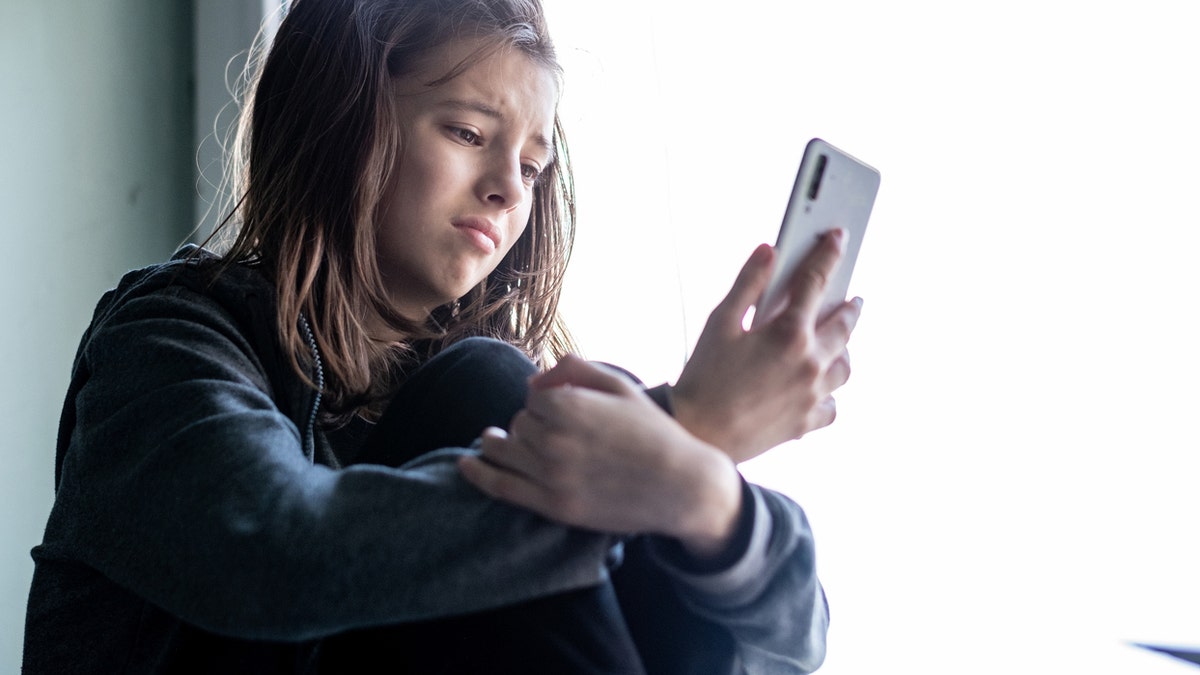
(460, 290)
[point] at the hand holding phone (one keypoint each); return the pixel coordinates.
(832, 190)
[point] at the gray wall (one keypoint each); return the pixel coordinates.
(224, 31)
(96, 177)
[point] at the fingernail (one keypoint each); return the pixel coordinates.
(858, 302)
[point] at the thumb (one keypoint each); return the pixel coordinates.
(747, 288)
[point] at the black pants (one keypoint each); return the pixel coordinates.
(448, 402)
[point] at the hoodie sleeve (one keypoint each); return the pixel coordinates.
(183, 482)
(764, 591)
(768, 598)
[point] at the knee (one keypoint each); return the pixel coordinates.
(483, 359)
(482, 354)
(484, 348)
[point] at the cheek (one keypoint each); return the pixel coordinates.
(520, 225)
(407, 198)
(417, 167)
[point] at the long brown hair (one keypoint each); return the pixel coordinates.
(316, 149)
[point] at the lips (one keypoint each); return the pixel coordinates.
(486, 234)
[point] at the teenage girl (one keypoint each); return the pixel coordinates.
(358, 436)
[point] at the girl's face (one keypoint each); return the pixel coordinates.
(472, 150)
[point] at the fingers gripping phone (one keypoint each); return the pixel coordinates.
(832, 190)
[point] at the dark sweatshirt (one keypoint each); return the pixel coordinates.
(198, 508)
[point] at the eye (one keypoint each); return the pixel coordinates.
(530, 172)
(465, 135)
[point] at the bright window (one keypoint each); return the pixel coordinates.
(1010, 486)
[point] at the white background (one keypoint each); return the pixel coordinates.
(1010, 485)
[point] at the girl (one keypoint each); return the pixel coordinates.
(264, 460)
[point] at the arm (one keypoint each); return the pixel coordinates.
(600, 454)
(184, 483)
(768, 598)
(592, 450)
(742, 392)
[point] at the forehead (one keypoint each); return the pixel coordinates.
(502, 82)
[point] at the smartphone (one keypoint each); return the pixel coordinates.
(832, 190)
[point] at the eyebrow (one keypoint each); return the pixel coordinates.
(488, 111)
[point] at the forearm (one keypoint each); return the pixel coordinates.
(185, 484)
(763, 590)
(275, 548)
(599, 454)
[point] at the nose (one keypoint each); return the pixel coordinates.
(501, 184)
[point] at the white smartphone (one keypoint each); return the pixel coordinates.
(832, 190)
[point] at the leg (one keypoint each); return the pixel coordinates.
(575, 632)
(450, 400)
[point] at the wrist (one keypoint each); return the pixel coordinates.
(708, 528)
(699, 420)
(686, 411)
(672, 553)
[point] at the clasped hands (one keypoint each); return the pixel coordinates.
(592, 450)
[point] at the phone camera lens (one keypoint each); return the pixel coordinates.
(814, 188)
